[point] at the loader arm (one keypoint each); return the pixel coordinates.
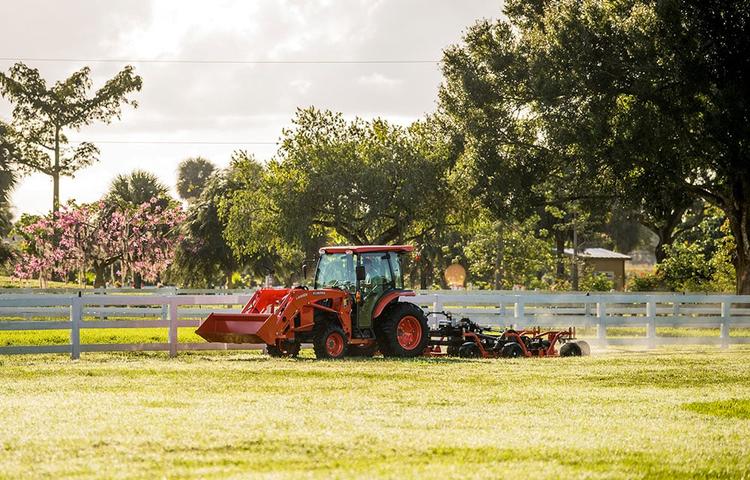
(269, 317)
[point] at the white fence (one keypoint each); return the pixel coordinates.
(594, 313)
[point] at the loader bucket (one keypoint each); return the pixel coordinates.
(233, 327)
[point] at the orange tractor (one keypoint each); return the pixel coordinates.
(353, 309)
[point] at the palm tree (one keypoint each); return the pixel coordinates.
(129, 191)
(192, 176)
(136, 188)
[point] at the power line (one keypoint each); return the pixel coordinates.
(176, 142)
(222, 62)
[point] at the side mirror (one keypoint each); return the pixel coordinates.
(360, 273)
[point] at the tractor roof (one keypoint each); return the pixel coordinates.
(368, 248)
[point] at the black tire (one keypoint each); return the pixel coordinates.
(323, 334)
(511, 350)
(276, 352)
(570, 349)
(387, 333)
(453, 350)
(361, 351)
(469, 350)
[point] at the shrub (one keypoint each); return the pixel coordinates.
(647, 282)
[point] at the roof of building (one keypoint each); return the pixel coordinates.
(368, 248)
(597, 253)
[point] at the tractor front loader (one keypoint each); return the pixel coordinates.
(353, 309)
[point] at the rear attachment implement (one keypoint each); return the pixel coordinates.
(467, 339)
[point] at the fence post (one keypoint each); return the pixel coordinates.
(76, 314)
(437, 306)
(601, 323)
(173, 317)
(651, 323)
(519, 313)
(726, 312)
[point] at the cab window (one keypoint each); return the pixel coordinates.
(377, 270)
(335, 270)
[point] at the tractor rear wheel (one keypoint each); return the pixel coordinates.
(403, 331)
(469, 350)
(329, 341)
(511, 350)
(570, 349)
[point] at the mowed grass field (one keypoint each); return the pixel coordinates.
(669, 413)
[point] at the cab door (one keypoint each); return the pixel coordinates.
(378, 280)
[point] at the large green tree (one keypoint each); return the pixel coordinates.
(254, 227)
(365, 182)
(41, 114)
(520, 158)
(650, 93)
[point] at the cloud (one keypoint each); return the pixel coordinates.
(220, 102)
(378, 80)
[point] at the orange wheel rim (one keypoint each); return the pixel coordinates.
(334, 344)
(409, 332)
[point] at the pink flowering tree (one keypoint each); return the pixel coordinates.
(150, 237)
(96, 236)
(40, 258)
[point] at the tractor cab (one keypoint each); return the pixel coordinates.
(368, 273)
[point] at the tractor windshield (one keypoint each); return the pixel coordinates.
(335, 270)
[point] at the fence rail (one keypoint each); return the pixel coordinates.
(172, 309)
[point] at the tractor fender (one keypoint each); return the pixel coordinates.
(389, 298)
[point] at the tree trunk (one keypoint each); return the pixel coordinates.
(739, 221)
(666, 238)
(137, 280)
(425, 268)
(499, 258)
(560, 252)
(99, 272)
(56, 174)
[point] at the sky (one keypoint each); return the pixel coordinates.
(211, 109)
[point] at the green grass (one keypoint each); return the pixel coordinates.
(613, 415)
(159, 335)
(733, 408)
(95, 335)
(7, 281)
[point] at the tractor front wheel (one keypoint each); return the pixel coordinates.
(276, 352)
(403, 331)
(329, 341)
